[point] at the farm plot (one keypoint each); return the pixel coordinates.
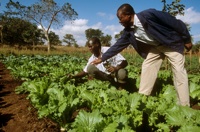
(16, 112)
(92, 105)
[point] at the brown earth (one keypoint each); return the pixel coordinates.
(16, 112)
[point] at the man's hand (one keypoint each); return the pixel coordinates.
(70, 76)
(97, 61)
(188, 46)
(111, 69)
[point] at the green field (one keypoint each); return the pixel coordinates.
(99, 105)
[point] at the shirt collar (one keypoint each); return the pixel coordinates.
(136, 21)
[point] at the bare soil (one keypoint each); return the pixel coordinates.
(16, 112)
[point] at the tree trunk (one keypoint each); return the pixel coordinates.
(48, 46)
(199, 55)
(48, 42)
(1, 34)
(33, 45)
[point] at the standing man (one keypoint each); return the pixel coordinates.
(154, 35)
(111, 70)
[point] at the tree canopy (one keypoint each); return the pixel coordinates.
(174, 8)
(19, 31)
(44, 13)
(69, 40)
(105, 40)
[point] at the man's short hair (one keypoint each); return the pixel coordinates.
(95, 40)
(126, 9)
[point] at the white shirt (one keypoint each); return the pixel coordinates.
(114, 61)
(140, 33)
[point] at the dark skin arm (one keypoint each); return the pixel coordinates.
(110, 69)
(79, 75)
(188, 46)
(122, 65)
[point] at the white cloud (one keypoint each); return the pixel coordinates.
(97, 26)
(191, 16)
(106, 16)
(196, 37)
(78, 27)
(112, 30)
(111, 17)
(102, 14)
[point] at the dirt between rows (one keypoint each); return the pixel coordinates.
(16, 112)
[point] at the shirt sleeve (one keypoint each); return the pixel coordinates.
(121, 44)
(116, 60)
(99, 66)
(89, 61)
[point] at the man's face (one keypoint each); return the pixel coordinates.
(124, 20)
(93, 47)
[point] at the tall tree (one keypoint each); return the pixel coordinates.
(174, 8)
(31, 34)
(117, 36)
(1, 33)
(54, 38)
(18, 31)
(69, 40)
(44, 13)
(196, 48)
(93, 32)
(89, 33)
(106, 40)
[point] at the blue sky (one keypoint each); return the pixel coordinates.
(101, 14)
